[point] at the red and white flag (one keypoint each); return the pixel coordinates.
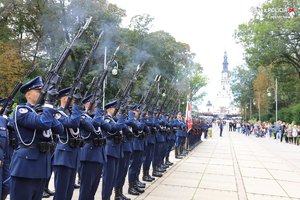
(188, 115)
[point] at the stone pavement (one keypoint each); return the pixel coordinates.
(230, 167)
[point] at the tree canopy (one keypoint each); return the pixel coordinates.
(271, 39)
(36, 33)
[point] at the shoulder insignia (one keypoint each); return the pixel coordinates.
(23, 110)
(83, 116)
(107, 120)
(57, 116)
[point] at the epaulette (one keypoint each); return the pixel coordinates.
(107, 119)
(23, 109)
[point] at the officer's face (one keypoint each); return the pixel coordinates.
(136, 114)
(33, 95)
(179, 115)
(86, 106)
(111, 111)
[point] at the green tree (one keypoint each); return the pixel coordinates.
(271, 41)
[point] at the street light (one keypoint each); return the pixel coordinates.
(276, 98)
(114, 71)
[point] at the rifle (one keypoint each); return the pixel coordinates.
(175, 105)
(9, 101)
(163, 104)
(53, 77)
(125, 99)
(147, 96)
(77, 83)
(90, 87)
(98, 89)
(153, 106)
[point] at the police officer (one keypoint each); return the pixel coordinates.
(4, 154)
(150, 149)
(113, 148)
(92, 155)
(127, 147)
(170, 140)
(31, 163)
(178, 126)
(158, 146)
(135, 186)
(67, 148)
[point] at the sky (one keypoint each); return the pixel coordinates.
(207, 26)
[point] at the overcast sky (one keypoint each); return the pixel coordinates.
(207, 26)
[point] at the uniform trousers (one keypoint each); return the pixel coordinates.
(157, 154)
(148, 156)
(26, 188)
(123, 169)
(169, 148)
(177, 141)
(135, 164)
(110, 171)
(90, 173)
(64, 180)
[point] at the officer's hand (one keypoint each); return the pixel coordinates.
(77, 98)
(51, 96)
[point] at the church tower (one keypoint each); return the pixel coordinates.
(224, 96)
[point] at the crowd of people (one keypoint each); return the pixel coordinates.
(282, 131)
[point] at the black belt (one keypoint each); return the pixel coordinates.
(97, 142)
(43, 147)
(117, 138)
(76, 143)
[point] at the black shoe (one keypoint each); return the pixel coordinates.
(159, 169)
(178, 157)
(50, 192)
(124, 197)
(169, 163)
(163, 166)
(140, 190)
(46, 195)
(156, 174)
(147, 179)
(133, 191)
(150, 177)
(140, 184)
(76, 186)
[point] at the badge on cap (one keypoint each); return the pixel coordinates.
(23, 110)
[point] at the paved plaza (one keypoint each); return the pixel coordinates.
(230, 167)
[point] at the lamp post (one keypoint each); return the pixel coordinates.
(276, 98)
(258, 104)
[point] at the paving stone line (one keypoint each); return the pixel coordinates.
(242, 195)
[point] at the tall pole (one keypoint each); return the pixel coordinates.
(250, 109)
(104, 84)
(259, 107)
(276, 100)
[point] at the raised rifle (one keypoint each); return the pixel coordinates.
(174, 107)
(125, 97)
(90, 87)
(164, 102)
(10, 99)
(97, 91)
(153, 106)
(77, 83)
(148, 95)
(53, 76)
